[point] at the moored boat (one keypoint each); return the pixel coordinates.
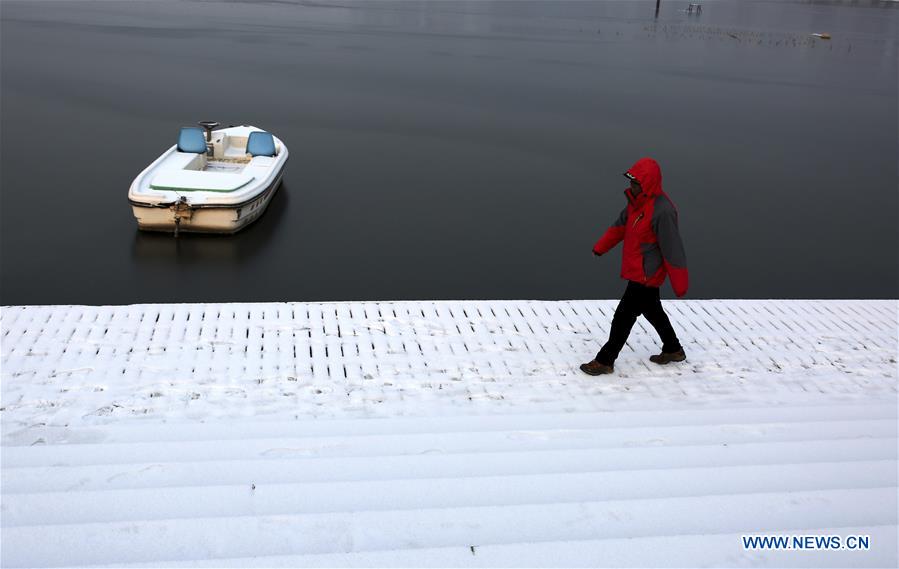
(217, 181)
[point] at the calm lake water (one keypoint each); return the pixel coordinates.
(453, 150)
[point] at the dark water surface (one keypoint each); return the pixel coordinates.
(453, 150)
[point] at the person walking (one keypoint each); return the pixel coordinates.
(652, 249)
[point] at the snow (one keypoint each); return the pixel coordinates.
(444, 434)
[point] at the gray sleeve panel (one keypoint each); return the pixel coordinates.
(652, 258)
(622, 218)
(664, 225)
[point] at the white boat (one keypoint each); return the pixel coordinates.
(219, 181)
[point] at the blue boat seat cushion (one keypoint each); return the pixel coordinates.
(192, 139)
(261, 143)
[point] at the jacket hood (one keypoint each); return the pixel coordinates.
(647, 172)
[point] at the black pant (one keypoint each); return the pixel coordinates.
(637, 300)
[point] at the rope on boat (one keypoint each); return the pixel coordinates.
(233, 160)
(178, 209)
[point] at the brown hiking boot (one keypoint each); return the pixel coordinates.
(596, 368)
(668, 357)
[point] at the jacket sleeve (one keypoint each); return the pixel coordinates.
(613, 234)
(673, 254)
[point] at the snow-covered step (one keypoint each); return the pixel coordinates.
(529, 422)
(260, 535)
(465, 442)
(680, 550)
(250, 498)
(237, 472)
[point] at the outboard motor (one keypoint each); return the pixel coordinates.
(209, 126)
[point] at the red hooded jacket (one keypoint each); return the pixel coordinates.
(648, 226)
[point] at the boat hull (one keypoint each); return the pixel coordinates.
(181, 217)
